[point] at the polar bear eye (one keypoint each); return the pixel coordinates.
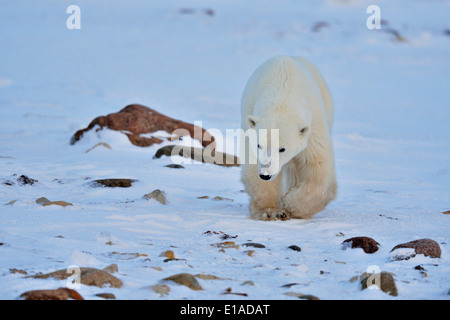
(259, 147)
(302, 131)
(282, 149)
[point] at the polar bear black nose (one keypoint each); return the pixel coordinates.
(265, 177)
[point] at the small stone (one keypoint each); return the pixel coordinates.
(226, 245)
(99, 145)
(42, 201)
(249, 252)
(57, 294)
(10, 203)
(302, 296)
(185, 279)
(209, 277)
(45, 202)
(162, 289)
(383, 280)
(229, 291)
(174, 166)
(295, 248)
(247, 283)
(113, 183)
(219, 198)
(23, 180)
(203, 197)
(14, 270)
(168, 254)
(199, 154)
(367, 244)
(427, 247)
(446, 212)
(128, 255)
(254, 245)
(106, 296)
(112, 268)
(57, 203)
(157, 268)
(158, 195)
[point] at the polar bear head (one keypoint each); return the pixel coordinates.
(278, 141)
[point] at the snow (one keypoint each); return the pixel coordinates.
(391, 140)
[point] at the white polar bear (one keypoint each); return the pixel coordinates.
(294, 176)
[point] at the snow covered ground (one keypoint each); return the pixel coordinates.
(190, 60)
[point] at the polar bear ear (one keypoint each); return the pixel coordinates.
(303, 130)
(252, 120)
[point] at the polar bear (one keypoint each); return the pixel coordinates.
(293, 175)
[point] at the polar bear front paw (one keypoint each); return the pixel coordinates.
(269, 214)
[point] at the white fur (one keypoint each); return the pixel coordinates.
(288, 94)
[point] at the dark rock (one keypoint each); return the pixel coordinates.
(136, 119)
(254, 245)
(229, 291)
(57, 294)
(295, 248)
(369, 245)
(113, 183)
(427, 247)
(198, 154)
(302, 296)
(23, 180)
(174, 166)
(106, 295)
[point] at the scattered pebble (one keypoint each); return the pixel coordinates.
(226, 245)
(209, 277)
(45, 202)
(295, 248)
(100, 144)
(254, 245)
(185, 279)
(157, 194)
(174, 166)
(23, 180)
(302, 296)
(162, 289)
(105, 295)
(10, 203)
(219, 198)
(229, 291)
